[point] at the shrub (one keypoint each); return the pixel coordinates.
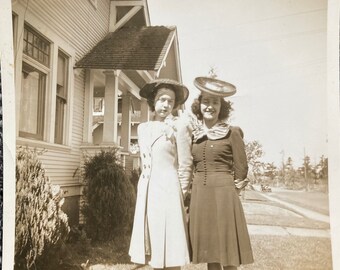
(109, 197)
(134, 177)
(41, 225)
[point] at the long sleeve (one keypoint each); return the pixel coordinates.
(183, 141)
(240, 163)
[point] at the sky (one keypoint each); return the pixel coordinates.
(274, 51)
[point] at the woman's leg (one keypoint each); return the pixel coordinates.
(214, 266)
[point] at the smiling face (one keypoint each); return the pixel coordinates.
(210, 107)
(164, 103)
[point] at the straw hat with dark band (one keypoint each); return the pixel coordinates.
(181, 91)
(214, 86)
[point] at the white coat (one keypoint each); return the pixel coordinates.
(159, 221)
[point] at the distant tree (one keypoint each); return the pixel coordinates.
(307, 171)
(323, 167)
(289, 172)
(270, 170)
(321, 170)
(254, 153)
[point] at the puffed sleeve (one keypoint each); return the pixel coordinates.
(239, 158)
(183, 141)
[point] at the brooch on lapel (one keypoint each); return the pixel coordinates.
(169, 129)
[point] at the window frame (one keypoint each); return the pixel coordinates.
(39, 135)
(57, 42)
(60, 120)
(46, 71)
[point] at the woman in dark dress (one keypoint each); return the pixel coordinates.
(218, 229)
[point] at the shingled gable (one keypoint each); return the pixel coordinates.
(130, 48)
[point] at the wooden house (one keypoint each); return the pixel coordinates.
(79, 66)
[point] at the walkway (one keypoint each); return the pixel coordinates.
(286, 231)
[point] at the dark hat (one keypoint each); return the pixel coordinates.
(214, 86)
(181, 91)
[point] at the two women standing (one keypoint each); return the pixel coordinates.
(218, 231)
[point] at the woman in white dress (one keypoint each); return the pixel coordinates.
(159, 237)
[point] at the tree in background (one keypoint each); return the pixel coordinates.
(289, 173)
(270, 171)
(307, 169)
(254, 153)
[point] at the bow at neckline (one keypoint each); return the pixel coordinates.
(218, 131)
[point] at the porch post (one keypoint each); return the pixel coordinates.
(88, 108)
(126, 121)
(111, 107)
(145, 113)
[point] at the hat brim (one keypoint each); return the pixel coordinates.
(214, 86)
(181, 91)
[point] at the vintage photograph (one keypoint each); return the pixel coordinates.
(174, 134)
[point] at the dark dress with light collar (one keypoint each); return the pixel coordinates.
(218, 230)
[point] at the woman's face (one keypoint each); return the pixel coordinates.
(164, 103)
(210, 107)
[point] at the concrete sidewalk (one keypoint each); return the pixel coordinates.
(286, 231)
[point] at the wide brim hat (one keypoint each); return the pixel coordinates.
(181, 91)
(214, 86)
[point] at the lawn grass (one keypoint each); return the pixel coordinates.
(270, 253)
(293, 252)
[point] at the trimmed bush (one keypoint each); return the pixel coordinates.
(109, 197)
(41, 225)
(134, 177)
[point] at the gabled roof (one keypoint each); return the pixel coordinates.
(133, 48)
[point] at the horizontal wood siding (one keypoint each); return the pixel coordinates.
(81, 26)
(77, 21)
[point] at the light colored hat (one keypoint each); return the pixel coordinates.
(181, 91)
(214, 86)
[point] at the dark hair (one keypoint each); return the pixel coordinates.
(226, 108)
(151, 97)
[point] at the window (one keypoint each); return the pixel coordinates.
(44, 82)
(98, 105)
(36, 46)
(61, 97)
(33, 88)
(33, 85)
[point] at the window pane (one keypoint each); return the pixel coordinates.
(59, 117)
(61, 71)
(38, 47)
(32, 102)
(98, 104)
(30, 50)
(35, 53)
(61, 97)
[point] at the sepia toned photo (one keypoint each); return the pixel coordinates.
(153, 134)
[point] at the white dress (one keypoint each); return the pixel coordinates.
(159, 227)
